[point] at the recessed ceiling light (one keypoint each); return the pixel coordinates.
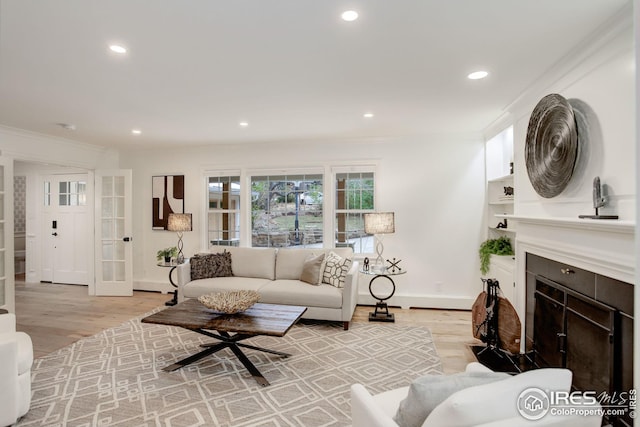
(477, 75)
(349, 15)
(244, 124)
(136, 131)
(117, 48)
(367, 115)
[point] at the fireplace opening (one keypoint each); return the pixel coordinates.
(582, 321)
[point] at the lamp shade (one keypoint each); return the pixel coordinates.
(379, 223)
(179, 222)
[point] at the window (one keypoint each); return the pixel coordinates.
(72, 193)
(286, 210)
(354, 197)
(223, 214)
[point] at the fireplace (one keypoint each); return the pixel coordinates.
(581, 320)
(580, 274)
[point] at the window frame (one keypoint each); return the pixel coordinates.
(237, 211)
(286, 173)
(360, 169)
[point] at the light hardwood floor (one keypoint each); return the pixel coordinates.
(58, 315)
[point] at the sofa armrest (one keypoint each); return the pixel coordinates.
(183, 275)
(8, 378)
(7, 322)
(365, 411)
(476, 367)
(350, 292)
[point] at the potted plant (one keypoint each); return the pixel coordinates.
(167, 253)
(499, 246)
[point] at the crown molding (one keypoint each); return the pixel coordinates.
(557, 76)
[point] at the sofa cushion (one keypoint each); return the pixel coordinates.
(253, 262)
(295, 292)
(311, 269)
(204, 266)
(427, 392)
(335, 270)
(289, 262)
(195, 288)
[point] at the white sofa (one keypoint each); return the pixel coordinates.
(16, 358)
(493, 404)
(274, 274)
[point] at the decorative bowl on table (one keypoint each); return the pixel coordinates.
(230, 302)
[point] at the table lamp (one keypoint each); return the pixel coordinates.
(379, 223)
(179, 222)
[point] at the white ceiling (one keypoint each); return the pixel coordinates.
(291, 68)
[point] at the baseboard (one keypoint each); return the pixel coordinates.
(449, 302)
(152, 286)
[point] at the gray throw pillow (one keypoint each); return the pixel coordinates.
(311, 269)
(427, 392)
(204, 266)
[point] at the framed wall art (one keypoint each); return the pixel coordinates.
(167, 197)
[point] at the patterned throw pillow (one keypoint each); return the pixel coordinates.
(335, 270)
(204, 266)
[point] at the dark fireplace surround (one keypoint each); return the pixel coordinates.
(583, 321)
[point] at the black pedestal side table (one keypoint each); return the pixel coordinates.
(172, 264)
(381, 313)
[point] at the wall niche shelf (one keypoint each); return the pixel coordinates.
(500, 205)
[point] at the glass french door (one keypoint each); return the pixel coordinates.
(7, 280)
(114, 250)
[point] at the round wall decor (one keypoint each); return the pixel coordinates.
(551, 148)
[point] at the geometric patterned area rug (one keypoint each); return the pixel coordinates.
(115, 378)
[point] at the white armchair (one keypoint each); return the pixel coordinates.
(493, 404)
(16, 358)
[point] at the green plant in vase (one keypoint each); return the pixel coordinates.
(167, 254)
(499, 246)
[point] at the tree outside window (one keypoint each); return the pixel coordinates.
(287, 210)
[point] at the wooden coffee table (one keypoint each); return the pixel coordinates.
(261, 319)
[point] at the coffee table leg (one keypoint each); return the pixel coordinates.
(189, 360)
(255, 373)
(264, 350)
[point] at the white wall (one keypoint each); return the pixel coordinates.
(601, 86)
(435, 186)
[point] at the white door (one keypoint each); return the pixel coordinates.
(114, 250)
(66, 229)
(7, 281)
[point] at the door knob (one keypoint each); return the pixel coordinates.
(54, 234)
(127, 239)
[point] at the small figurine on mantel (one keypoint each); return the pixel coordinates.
(599, 201)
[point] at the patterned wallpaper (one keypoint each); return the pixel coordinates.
(20, 204)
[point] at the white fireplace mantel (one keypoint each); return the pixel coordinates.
(605, 247)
